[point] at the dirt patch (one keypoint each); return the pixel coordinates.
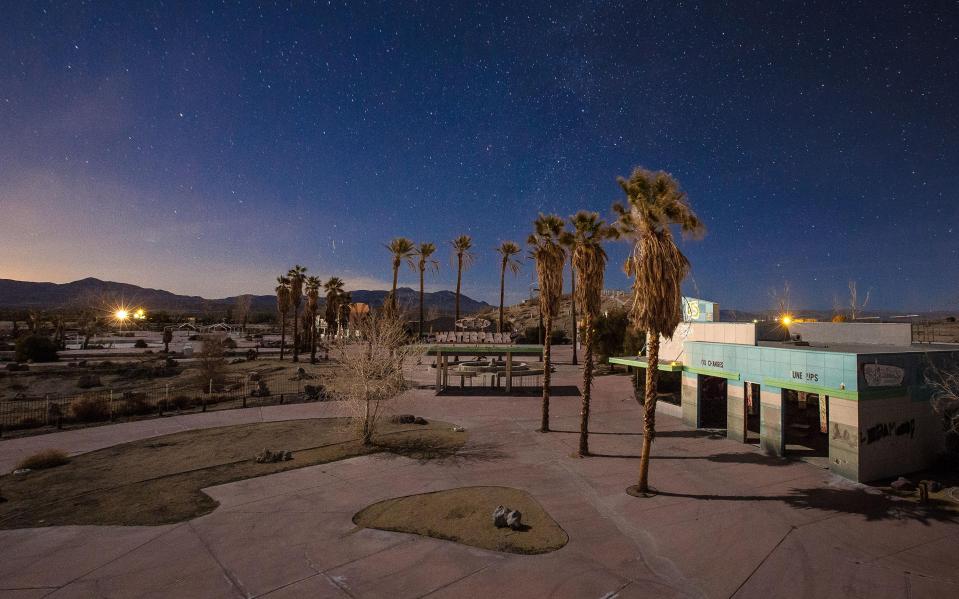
(159, 480)
(465, 515)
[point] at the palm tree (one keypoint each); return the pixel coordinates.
(426, 261)
(297, 276)
(462, 253)
(283, 307)
(403, 250)
(655, 203)
(550, 257)
(334, 290)
(507, 251)
(589, 263)
(312, 305)
(568, 243)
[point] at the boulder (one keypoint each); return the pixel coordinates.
(420, 420)
(514, 519)
(499, 516)
(403, 419)
(902, 484)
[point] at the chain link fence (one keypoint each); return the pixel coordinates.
(106, 405)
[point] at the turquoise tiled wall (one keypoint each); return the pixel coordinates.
(754, 363)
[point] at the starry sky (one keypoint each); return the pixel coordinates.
(206, 147)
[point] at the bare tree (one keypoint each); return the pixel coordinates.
(781, 298)
(212, 361)
(371, 377)
(943, 381)
(854, 306)
(241, 310)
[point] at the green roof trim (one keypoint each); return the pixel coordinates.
(787, 384)
(641, 363)
(732, 376)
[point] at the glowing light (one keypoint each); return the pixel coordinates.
(121, 315)
(140, 314)
(787, 320)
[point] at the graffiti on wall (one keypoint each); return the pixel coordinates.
(882, 375)
(843, 435)
(883, 430)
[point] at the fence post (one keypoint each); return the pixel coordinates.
(203, 397)
(281, 398)
(46, 399)
(111, 405)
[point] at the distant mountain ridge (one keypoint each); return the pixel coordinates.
(47, 296)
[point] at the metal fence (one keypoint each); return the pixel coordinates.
(105, 404)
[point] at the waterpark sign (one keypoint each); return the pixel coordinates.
(472, 337)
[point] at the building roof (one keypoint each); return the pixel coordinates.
(863, 348)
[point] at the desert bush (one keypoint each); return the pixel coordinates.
(141, 344)
(531, 335)
(134, 404)
(615, 337)
(251, 354)
(15, 367)
(182, 402)
(90, 409)
(88, 381)
(47, 458)
(229, 343)
(35, 348)
(314, 392)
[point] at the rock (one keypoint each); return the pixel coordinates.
(514, 519)
(902, 484)
(420, 420)
(254, 376)
(287, 455)
(499, 517)
(20, 471)
(934, 486)
(458, 429)
(403, 419)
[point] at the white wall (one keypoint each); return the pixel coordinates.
(740, 333)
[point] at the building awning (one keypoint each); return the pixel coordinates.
(640, 362)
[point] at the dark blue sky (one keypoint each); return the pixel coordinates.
(205, 147)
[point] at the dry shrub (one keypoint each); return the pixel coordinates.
(90, 409)
(48, 458)
(370, 374)
(212, 362)
(943, 382)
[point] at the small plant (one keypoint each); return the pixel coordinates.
(48, 458)
(90, 409)
(140, 344)
(35, 348)
(229, 343)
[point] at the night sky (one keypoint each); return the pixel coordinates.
(204, 147)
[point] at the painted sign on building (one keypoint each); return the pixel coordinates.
(882, 375)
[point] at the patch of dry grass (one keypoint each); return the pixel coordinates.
(48, 458)
(465, 515)
(159, 480)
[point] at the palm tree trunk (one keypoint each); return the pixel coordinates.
(282, 333)
(296, 335)
(396, 274)
(572, 299)
(547, 346)
(502, 287)
(313, 338)
(649, 407)
(587, 389)
(420, 338)
(459, 280)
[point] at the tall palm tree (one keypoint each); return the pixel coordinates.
(403, 250)
(463, 255)
(334, 291)
(507, 252)
(312, 305)
(283, 307)
(655, 204)
(568, 243)
(589, 262)
(425, 262)
(297, 276)
(550, 257)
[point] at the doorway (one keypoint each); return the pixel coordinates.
(712, 402)
(805, 424)
(751, 407)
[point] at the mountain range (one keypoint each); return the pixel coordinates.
(48, 296)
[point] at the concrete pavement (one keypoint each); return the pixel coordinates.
(728, 521)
